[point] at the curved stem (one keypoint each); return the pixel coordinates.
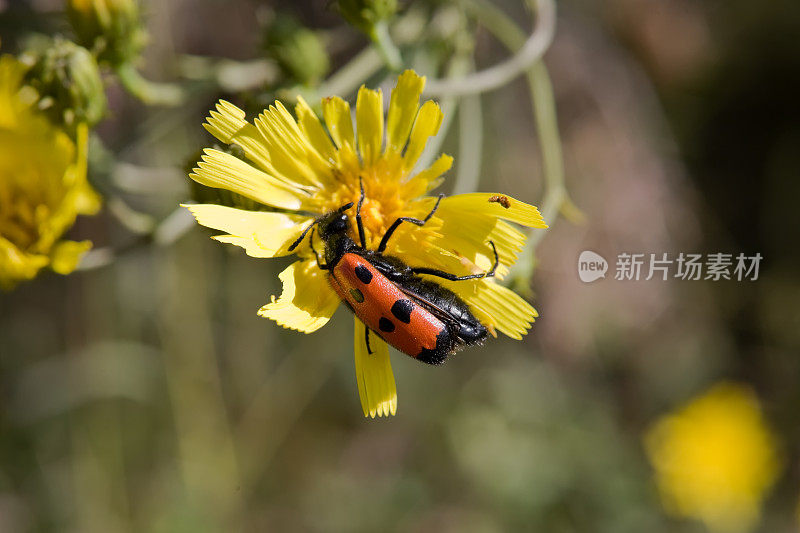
(459, 66)
(165, 233)
(494, 77)
(147, 91)
(363, 65)
(386, 47)
(350, 76)
(544, 108)
(470, 144)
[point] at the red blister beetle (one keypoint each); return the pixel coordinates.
(417, 316)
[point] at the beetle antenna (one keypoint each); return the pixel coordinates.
(359, 223)
(496, 261)
(361, 196)
(296, 243)
(302, 236)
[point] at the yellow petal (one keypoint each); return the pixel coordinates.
(473, 245)
(495, 306)
(292, 156)
(312, 127)
(307, 301)
(228, 125)
(261, 234)
(498, 205)
(428, 179)
(403, 106)
(87, 201)
(66, 255)
(337, 116)
(374, 376)
(369, 122)
(426, 125)
(16, 265)
(225, 171)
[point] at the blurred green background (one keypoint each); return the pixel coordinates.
(143, 393)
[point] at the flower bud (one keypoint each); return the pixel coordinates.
(365, 14)
(67, 79)
(112, 29)
(297, 49)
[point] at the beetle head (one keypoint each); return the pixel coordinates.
(335, 222)
(330, 224)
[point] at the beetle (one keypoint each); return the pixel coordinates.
(418, 316)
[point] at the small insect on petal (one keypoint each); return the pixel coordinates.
(501, 199)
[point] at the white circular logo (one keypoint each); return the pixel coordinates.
(591, 266)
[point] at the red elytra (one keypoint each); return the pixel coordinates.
(385, 309)
(416, 315)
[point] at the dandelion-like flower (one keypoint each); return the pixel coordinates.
(301, 169)
(43, 185)
(715, 458)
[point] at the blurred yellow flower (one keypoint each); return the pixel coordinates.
(43, 184)
(300, 170)
(715, 458)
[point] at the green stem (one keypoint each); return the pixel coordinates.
(206, 452)
(544, 109)
(350, 76)
(470, 144)
(149, 92)
(386, 47)
(527, 51)
(459, 65)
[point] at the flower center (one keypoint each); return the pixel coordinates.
(18, 226)
(382, 202)
(19, 218)
(382, 205)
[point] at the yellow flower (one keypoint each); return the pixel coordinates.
(43, 185)
(297, 167)
(715, 458)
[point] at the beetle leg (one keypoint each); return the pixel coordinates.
(453, 277)
(366, 339)
(396, 223)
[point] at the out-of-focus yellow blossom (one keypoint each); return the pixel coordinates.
(715, 458)
(43, 184)
(300, 169)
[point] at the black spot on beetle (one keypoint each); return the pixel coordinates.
(386, 325)
(363, 274)
(439, 353)
(401, 309)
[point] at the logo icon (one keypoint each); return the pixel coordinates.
(591, 266)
